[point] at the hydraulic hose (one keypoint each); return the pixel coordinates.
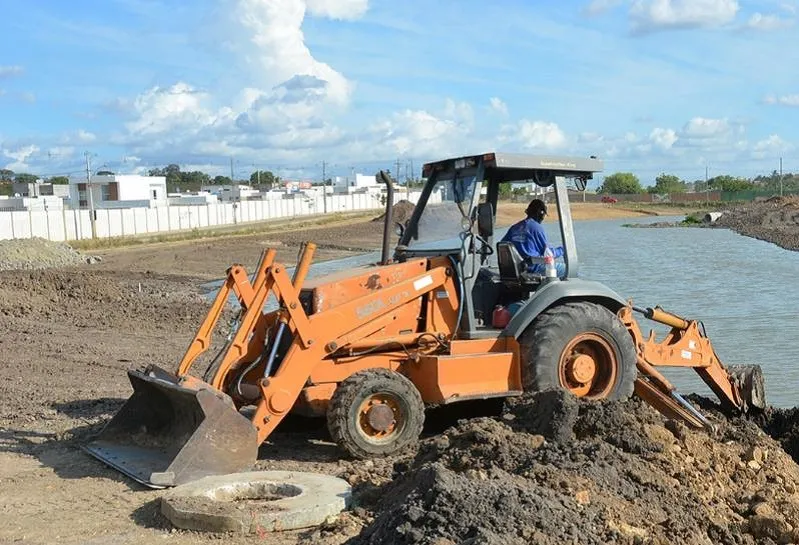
(461, 291)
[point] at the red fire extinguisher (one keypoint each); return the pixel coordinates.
(500, 317)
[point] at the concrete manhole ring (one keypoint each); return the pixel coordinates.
(256, 501)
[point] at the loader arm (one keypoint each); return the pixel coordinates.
(738, 388)
(317, 336)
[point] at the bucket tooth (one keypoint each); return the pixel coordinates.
(167, 434)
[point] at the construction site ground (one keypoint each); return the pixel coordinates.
(609, 473)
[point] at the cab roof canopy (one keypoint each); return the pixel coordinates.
(513, 167)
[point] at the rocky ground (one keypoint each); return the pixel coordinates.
(546, 470)
(773, 220)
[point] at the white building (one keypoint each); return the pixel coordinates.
(235, 192)
(119, 191)
(43, 203)
(358, 183)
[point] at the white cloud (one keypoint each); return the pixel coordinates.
(498, 105)
(653, 15)
(458, 111)
(85, 137)
(771, 147)
(163, 110)
(702, 127)
(338, 9)
(784, 100)
(286, 100)
(758, 21)
(9, 71)
(419, 133)
(273, 43)
(28, 97)
(663, 138)
(20, 155)
(545, 135)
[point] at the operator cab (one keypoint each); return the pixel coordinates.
(456, 217)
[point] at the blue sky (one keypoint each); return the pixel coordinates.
(650, 86)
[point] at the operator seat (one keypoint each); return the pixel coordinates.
(513, 268)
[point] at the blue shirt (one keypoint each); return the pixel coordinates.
(530, 239)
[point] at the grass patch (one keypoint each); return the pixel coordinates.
(273, 226)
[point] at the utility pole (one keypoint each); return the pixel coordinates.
(707, 187)
(92, 218)
(324, 186)
(780, 176)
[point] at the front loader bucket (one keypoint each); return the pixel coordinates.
(167, 434)
(750, 382)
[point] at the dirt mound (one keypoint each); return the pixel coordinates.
(774, 220)
(401, 212)
(604, 473)
(89, 297)
(37, 253)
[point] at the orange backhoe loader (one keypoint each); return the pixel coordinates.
(370, 348)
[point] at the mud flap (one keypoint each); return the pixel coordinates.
(168, 434)
(751, 385)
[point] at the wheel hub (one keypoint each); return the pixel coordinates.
(582, 369)
(588, 366)
(380, 417)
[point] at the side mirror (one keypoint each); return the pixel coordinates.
(399, 229)
(485, 219)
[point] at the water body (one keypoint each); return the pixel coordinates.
(745, 291)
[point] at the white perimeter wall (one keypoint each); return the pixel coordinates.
(65, 224)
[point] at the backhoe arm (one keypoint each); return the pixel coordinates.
(739, 388)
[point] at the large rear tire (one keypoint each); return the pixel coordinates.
(582, 348)
(374, 413)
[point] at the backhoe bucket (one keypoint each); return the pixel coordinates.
(750, 382)
(167, 434)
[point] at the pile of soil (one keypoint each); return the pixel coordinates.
(400, 213)
(556, 470)
(773, 220)
(89, 298)
(38, 253)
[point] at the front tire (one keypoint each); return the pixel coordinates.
(376, 412)
(582, 348)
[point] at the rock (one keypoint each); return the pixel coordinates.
(768, 527)
(582, 497)
(754, 454)
(762, 509)
(659, 435)
(677, 428)
(753, 465)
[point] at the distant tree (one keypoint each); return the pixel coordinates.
(505, 190)
(621, 183)
(24, 178)
(725, 182)
(6, 175)
(194, 178)
(60, 180)
(667, 183)
(222, 180)
(264, 177)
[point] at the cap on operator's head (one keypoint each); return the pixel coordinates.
(536, 208)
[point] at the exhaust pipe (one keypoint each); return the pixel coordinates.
(383, 177)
